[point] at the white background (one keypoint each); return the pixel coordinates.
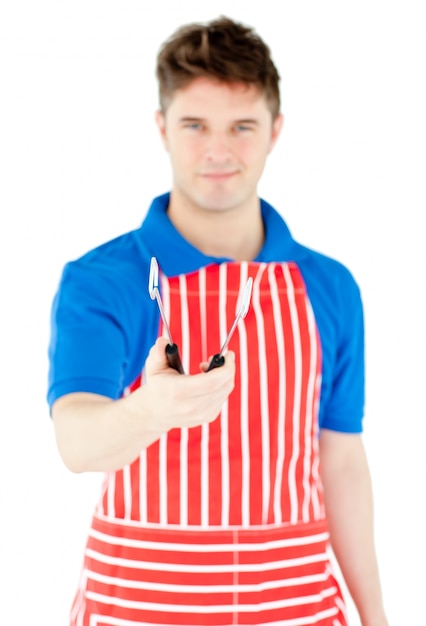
(80, 162)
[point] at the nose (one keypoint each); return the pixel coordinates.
(218, 149)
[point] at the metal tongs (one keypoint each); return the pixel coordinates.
(219, 359)
(172, 350)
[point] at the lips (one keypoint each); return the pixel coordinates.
(218, 175)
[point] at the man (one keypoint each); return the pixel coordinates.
(222, 488)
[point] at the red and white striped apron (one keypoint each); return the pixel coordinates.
(224, 523)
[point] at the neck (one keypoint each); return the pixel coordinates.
(236, 233)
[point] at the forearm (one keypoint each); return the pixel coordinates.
(349, 506)
(94, 433)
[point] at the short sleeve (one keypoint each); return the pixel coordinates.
(338, 310)
(103, 322)
(343, 404)
(87, 350)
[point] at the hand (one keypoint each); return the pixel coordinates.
(95, 433)
(172, 400)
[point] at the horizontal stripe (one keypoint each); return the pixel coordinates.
(154, 526)
(204, 588)
(102, 620)
(208, 547)
(208, 569)
(228, 608)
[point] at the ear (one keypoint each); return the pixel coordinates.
(161, 125)
(277, 126)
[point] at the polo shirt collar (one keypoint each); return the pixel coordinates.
(176, 255)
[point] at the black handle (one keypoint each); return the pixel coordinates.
(173, 357)
(217, 361)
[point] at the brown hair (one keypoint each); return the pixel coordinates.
(221, 49)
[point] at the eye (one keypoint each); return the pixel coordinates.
(243, 128)
(193, 125)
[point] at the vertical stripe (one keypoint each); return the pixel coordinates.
(142, 488)
(224, 443)
(263, 384)
(292, 482)
(102, 502)
(203, 313)
(184, 477)
(111, 494)
(317, 504)
(165, 297)
(307, 458)
(244, 395)
(204, 474)
(205, 429)
(185, 352)
(280, 427)
(143, 491)
(185, 345)
(224, 448)
(127, 489)
(162, 478)
(161, 495)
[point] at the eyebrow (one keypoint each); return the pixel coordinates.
(250, 120)
(191, 119)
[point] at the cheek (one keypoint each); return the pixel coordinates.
(253, 148)
(254, 155)
(184, 153)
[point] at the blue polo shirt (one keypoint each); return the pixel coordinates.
(104, 322)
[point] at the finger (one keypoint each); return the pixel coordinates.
(229, 359)
(156, 362)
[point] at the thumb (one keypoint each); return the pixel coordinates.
(156, 362)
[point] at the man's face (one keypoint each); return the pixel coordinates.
(218, 137)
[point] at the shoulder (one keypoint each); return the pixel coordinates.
(333, 291)
(325, 270)
(126, 250)
(329, 282)
(111, 280)
(115, 265)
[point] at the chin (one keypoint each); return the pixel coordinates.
(217, 204)
(217, 207)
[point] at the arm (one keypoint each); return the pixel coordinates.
(349, 507)
(95, 433)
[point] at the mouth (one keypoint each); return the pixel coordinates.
(218, 176)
